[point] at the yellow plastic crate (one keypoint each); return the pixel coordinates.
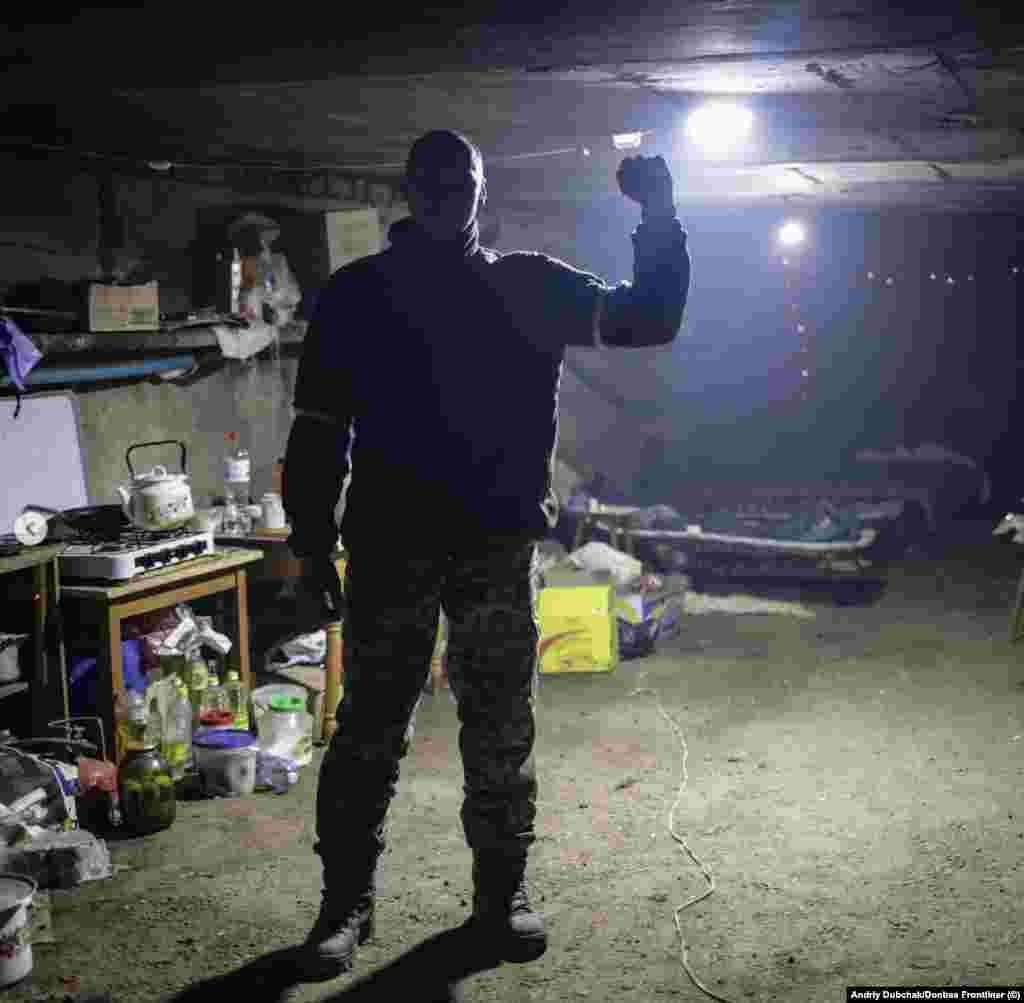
(578, 629)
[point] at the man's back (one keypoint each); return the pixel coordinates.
(453, 380)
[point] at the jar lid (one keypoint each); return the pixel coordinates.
(227, 738)
(287, 702)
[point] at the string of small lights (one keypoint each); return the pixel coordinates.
(799, 357)
(883, 277)
(798, 324)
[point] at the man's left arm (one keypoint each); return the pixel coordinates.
(648, 311)
(585, 312)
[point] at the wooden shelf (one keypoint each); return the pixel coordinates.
(145, 341)
(30, 557)
(83, 348)
(38, 581)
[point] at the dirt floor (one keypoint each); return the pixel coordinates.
(854, 786)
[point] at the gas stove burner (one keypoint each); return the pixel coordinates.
(128, 538)
(140, 537)
(132, 553)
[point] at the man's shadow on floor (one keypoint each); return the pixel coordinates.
(431, 972)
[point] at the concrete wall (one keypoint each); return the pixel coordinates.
(49, 217)
(252, 399)
(912, 364)
(50, 221)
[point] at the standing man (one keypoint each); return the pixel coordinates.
(431, 371)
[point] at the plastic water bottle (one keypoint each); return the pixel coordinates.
(197, 677)
(237, 472)
(177, 745)
(238, 699)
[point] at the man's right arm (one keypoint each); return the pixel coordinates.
(317, 458)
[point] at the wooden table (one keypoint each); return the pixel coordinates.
(281, 565)
(35, 576)
(107, 604)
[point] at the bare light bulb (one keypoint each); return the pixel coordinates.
(718, 126)
(792, 234)
(627, 140)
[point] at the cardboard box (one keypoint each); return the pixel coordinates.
(351, 234)
(579, 629)
(124, 308)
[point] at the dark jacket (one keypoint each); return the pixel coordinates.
(432, 374)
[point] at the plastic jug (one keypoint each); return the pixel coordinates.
(287, 729)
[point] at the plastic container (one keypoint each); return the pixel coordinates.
(148, 799)
(16, 893)
(286, 729)
(226, 760)
(10, 645)
(272, 511)
(274, 773)
(216, 710)
(131, 715)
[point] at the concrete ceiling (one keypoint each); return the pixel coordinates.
(855, 104)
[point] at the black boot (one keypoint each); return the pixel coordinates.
(345, 920)
(501, 909)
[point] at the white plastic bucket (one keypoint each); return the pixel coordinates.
(16, 892)
(226, 760)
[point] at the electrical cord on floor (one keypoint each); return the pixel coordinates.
(684, 951)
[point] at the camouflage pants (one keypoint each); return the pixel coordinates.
(488, 593)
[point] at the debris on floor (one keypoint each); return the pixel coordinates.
(41, 920)
(600, 557)
(59, 859)
(696, 603)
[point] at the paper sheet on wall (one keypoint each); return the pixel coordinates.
(352, 234)
(41, 460)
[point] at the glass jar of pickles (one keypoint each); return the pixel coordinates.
(147, 794)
